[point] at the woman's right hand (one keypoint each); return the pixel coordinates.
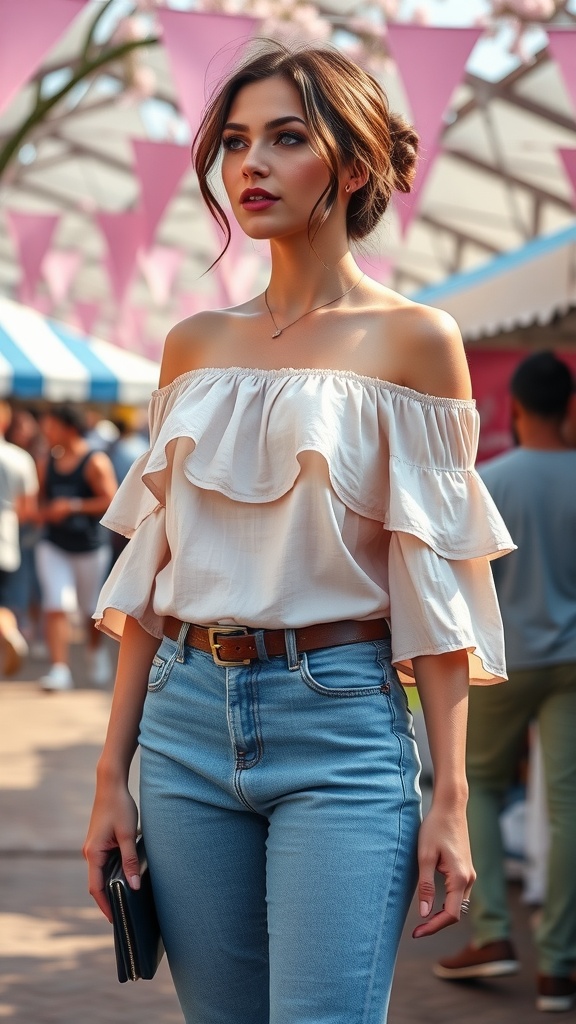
(113, 823)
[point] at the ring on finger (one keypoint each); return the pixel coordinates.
(465, 906)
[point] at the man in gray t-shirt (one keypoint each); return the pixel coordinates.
(534, 487)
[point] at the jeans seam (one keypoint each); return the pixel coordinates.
(399, 834)
(238, 769)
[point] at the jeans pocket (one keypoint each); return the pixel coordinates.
(352, 670)
(162, 664)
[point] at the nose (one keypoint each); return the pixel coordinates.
(254, 164)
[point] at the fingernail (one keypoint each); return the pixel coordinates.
(135, 881)
(424, 908)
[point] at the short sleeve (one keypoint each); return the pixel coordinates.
(30, 475)
(440, 604)
(445, 529)
(129, 589)
(137, 514)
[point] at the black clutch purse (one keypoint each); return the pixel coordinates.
(137, 940)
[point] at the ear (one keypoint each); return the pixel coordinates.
(355, 178)
(515, 406)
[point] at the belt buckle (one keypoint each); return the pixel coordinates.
(213, 632)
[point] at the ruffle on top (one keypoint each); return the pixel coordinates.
(394, 456)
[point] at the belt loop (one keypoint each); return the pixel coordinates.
(260, 645)
(291, 649)
(181, 641)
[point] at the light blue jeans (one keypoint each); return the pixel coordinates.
(280, 808)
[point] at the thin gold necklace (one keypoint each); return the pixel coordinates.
(278, 330)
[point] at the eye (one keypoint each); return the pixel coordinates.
(233, 142)
(289, 139)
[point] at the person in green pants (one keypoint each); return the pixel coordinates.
(534, 488)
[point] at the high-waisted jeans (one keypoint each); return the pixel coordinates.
(280, 808)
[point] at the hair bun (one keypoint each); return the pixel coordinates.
(404, 153)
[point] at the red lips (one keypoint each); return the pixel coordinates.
(260, 193)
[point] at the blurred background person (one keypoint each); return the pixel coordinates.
(18, 496)
(534, 488)
(129, 445)
(24, 431)
(72, 558)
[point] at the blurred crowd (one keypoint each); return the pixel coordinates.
(59, 469)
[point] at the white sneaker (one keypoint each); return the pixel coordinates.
(99, 666)
(58, 677)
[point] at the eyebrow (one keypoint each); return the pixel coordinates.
(276, 123)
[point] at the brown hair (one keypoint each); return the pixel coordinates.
(350, 125)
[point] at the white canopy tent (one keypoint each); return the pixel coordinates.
(40, 358)
(532, 285)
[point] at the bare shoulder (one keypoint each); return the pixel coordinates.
(430, 349)
(185, 344)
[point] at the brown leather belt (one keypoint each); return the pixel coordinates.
(235, 645)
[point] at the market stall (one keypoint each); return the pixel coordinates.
(44, 359)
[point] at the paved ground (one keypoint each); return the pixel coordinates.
(56, 953)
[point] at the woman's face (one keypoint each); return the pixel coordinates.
(54, 430)
(271, 174)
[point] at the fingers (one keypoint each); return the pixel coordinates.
(97, 859)
(452, 908)
(130, 862)
(434, 924)
(96, 880)
(426, 891)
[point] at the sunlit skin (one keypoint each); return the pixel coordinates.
(266, 143)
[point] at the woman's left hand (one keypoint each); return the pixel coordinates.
(444, 847)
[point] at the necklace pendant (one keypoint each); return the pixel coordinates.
(277, 333)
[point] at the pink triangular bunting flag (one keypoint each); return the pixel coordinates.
(201, 48)
(28, 32)
(562, 44)
(159, 266)
(445, 51)
(123, 234)
(32, 234)
(87, 313)
(129, 328)
(59, 268)
(569, 161)
(160, 167)
(41, 303)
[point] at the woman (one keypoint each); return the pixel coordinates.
(77, 485)
(310, 480)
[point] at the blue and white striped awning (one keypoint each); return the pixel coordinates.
(40, 358)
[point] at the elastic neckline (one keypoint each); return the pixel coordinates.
(289, 371)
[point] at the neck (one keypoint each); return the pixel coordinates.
(305, 275)
(541, 435)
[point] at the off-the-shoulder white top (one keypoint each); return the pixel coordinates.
(281, 498)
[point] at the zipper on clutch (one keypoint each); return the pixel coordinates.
(120, 898)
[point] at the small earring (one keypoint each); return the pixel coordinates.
(347, 188)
